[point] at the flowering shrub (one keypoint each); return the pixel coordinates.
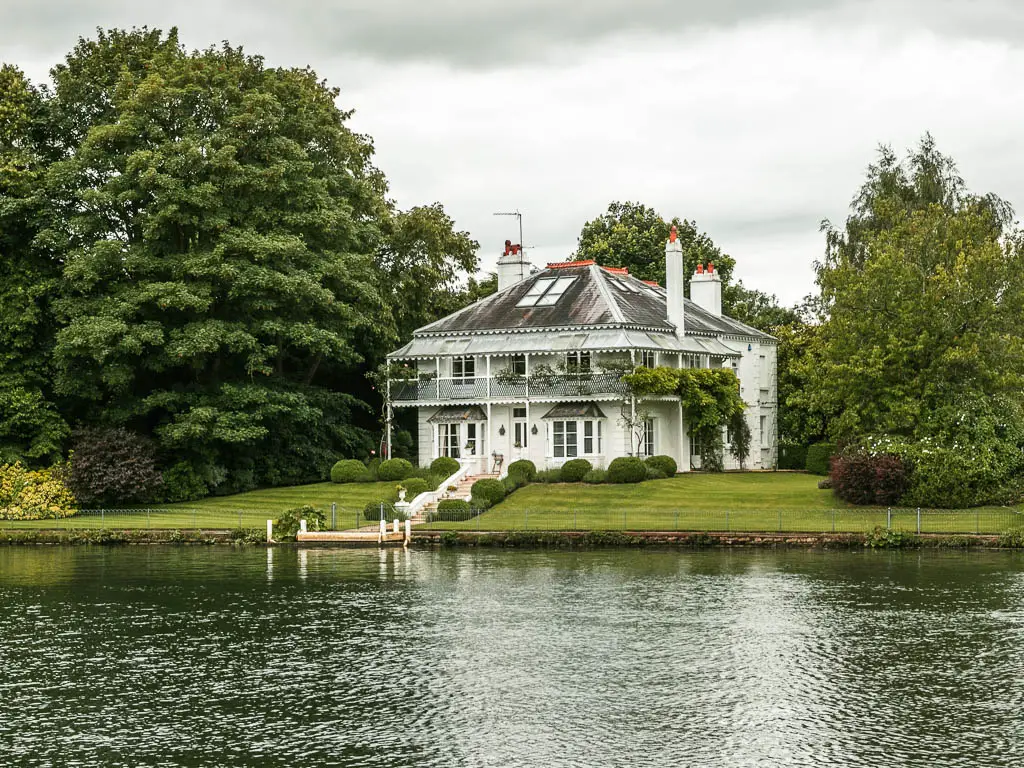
(38, 495)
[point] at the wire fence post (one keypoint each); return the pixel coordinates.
(977, 521)
(623, 518)
(727, 520)
(526, 519)
(149, 522)
(780, 521)
(334, 515)
(195, 524)
(888, 518)
(103, 518)
(676, 527)
(833, 519)
(919, 520)
(574, 518)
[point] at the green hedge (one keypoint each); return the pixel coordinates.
(286, 527)
(414, 486)
(523, 468)
(574, 470)
(792, 456)
(664, 464)
(627, 469)
(453, 511)
(596, 477)
(394, 469)
(372, 511)
(818, 456)
(350, 471)
(445, 466)
(488, 490)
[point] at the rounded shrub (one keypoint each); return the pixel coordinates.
(512, 483)
(445, 466)
(453, 511)
(664, 464)
(523, 468)
(350, 471)
(627, 469)
(286, 527)
(574, 470)
(394, 469)
(372, 511)
(818, 456)
(596, 477)
(489, 490)
(863, 478)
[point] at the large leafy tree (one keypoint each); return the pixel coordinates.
(218, 220)
(31, 429)
(921, 295)
(633, 235)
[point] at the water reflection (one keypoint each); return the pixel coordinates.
(210, 657)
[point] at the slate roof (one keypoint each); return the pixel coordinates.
(597, 298)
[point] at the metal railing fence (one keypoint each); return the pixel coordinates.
(172, 518)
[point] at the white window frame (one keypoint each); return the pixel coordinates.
(591, 445)
(464, 367)
(578, 362)
(448, 436)
(648, 440)
(648, 358)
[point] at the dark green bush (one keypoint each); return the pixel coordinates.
(574, 470)
(394, 469)
(523, 468)
(350, 471)
(286, 527)
(454, 511)
(548, 476)
(513, 483)
(445, 466)
(627, 469)
(488, 489)
(653, 473)
(596, 477)
(372, 511)
(818, 456)
(665, 464)
(183, 483)
(792, 456)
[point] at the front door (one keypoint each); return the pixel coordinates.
(519, 433)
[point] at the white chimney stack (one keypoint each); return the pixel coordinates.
(674, 280)
(706, 289)
(512, 266)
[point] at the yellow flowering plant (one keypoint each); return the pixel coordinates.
(34, 494)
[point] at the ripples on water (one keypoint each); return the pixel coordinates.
(213, 657)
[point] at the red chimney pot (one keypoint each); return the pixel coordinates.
(700, 269)
(711, 267)
(672, 234)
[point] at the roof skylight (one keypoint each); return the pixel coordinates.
(545, 292)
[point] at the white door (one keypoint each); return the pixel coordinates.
(520, 434)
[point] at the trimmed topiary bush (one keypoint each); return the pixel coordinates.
(548, 476)
(627, 469)
(818, 456)
(574, 470)
(862, 478)
(394, 469)
(596, 477)
(664, 464)
(453, 511)
(653, 473)
(445, 466)
(489, 490)
(523, 468)
(350, 471)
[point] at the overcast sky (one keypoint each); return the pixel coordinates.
(756, 119)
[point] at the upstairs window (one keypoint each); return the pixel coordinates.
(577, 362)
(546, 292)
(463, 367)
(518, 365)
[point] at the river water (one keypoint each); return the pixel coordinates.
(191, 656)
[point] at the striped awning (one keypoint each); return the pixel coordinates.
(452, 415)
(575, 411)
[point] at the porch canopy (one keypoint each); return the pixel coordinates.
(575, 411)
(455, 414)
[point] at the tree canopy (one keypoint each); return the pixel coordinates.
(199, 249)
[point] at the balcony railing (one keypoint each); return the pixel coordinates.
(481, 388)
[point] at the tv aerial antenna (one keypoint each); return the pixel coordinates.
(519, 216)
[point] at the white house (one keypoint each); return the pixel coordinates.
(533, 371)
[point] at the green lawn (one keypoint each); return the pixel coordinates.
(723, 502)
(242, 510)
(752, 501)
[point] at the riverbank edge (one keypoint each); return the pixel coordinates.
(878, 539)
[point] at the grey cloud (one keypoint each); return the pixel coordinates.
(488, 34)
